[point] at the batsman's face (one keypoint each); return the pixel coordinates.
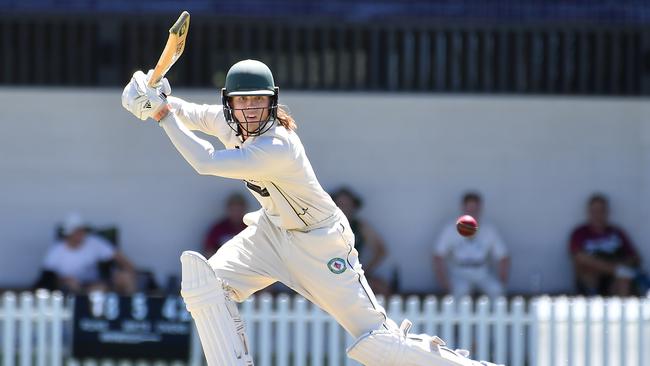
(250, 110)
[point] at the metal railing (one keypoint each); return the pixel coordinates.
(287, 330)
(103, 50)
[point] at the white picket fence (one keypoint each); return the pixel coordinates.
(287, 330)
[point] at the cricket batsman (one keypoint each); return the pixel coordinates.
(298, 237)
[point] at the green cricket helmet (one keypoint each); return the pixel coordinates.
(249, 78)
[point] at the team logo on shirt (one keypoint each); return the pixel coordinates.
(336, 265)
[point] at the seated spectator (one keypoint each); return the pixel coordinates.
(604, 258)
(226, 228)
(72, 264)
(462, 264)
(366, 240)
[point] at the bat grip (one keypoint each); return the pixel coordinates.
(154, 81)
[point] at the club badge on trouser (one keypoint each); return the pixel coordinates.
(336, 265)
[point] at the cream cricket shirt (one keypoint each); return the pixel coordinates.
(274, 165)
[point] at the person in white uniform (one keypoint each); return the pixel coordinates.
(462, 264)
(298, 237)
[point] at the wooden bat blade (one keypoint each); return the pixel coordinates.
(173, 48)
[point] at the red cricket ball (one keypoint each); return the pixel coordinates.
(466, 225)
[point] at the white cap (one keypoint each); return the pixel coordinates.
(72, 222)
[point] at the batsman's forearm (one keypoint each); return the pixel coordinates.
(196, 151)
(201, 154)
(189, 114)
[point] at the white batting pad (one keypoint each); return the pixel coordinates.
(217, 319)
(398, 348)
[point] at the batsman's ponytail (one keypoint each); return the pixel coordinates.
(286, 120)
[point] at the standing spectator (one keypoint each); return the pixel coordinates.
(226, 228)
(72, 263)
(366, 240)
(462, 264)
(604, 258)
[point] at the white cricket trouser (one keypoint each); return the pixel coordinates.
(321, 265)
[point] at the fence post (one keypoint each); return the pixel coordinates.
(623, 333)
(534, 331)
(347, 361)
(266, 313)
(588, 330)
(26, 315)
(414, 314)
(561, 307)
(334, 343)
(644, 321)
(517, 333)
(317, 337)
(571, 324)
(395, 308)
(56, 357)
(300, 326)
(552, 326)
(501, 313)
(282, 339)
(578, 344)
(430, 313)
(466, 319)
(42, 297)
(448, 318)
(605, 335)
(8, 313)
(482, 327)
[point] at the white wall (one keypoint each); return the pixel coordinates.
(410, 156)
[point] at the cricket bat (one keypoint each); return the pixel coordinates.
(173, 48)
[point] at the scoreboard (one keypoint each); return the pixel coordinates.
(141, 327)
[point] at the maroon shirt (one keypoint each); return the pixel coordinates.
(220, 233)
(612, 244)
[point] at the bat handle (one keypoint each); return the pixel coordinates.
(153, 81)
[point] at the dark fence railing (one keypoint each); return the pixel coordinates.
(397, 56)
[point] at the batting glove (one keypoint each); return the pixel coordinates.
(141, 100)
(162, 86)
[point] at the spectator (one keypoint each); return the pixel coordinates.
(604, 258)
(228, 227)
(365, 238)
(462, 264)
(72, 263)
